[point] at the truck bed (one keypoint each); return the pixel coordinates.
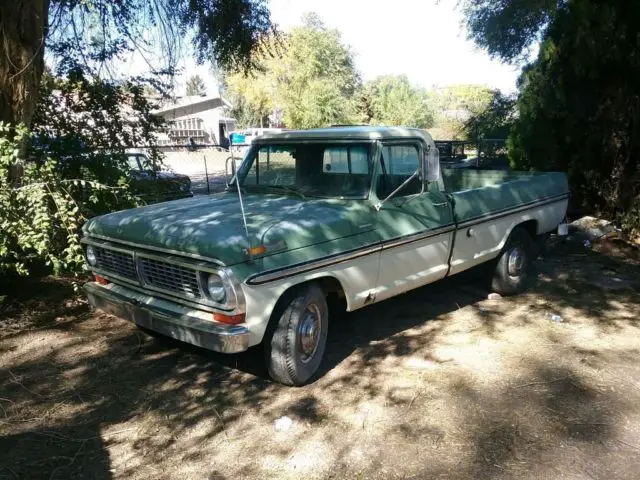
(477, 193)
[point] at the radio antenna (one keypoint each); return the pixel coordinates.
(244, 217)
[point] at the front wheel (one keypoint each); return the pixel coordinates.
(513, 269)
(296, 346)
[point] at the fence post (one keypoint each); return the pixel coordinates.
(206, 174)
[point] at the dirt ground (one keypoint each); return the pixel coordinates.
(439, 383)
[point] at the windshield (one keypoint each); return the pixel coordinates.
(311, 169)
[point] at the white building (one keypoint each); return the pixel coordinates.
(203, 119)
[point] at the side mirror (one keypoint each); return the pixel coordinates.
(432, 165)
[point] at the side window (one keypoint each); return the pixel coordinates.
(252, 175)
(143, 161)
(273, 166)
(400, 162)
(343, 160)
(132, 161)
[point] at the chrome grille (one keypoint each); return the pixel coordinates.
(119, 263)
(170, 277)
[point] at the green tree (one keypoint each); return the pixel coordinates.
(392, 100)
(317, 77)
(253, 94)
(309, 75)
(507, 28)
(579, 101)
(469, 98)
(453, 105)
(195, 86)
(93, 33)
(494, 121)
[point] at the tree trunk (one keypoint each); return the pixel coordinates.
(23, 31)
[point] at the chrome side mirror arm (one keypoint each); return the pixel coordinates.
(378, 205)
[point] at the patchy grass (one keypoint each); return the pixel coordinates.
(438, 383)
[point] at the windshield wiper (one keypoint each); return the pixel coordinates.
(286, 188)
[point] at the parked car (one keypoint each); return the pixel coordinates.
(148, 183)
(156, 186)
(360, 214)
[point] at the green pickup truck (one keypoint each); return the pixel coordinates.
(355, 213)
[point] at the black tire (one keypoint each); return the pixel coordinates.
(513, 268)
(287, 360)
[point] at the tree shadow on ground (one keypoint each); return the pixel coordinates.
(87, 396)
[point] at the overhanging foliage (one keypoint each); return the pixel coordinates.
(579, 101)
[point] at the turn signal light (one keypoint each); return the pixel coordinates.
(101, 280)
(229, 319)
(257, 250)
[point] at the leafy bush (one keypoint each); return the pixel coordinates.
(69, 167)
(39, 217)
(630, 220)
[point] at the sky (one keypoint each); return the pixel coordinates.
(423, 39)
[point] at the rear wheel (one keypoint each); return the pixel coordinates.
(513, 269)
(297, 343)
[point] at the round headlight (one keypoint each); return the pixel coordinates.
(215, 287)
(92, 259)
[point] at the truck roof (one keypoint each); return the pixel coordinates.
(353, 132)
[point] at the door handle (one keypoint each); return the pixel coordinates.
(445, 204)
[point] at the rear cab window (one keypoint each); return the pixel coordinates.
(347, 159)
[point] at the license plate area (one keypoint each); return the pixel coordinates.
(125, 310)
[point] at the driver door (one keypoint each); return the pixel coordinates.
(415, 225)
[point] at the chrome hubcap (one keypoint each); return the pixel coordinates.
(516, 262)
(309, 332)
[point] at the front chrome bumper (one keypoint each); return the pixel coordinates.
(167, 318)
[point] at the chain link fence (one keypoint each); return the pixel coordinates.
(203, 164)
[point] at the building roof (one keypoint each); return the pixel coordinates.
(195, 102)
(353, 132)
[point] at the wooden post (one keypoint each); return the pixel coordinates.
(206, 174)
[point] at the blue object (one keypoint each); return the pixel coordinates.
(236, 138)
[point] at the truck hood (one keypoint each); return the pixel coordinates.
(212, 226)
